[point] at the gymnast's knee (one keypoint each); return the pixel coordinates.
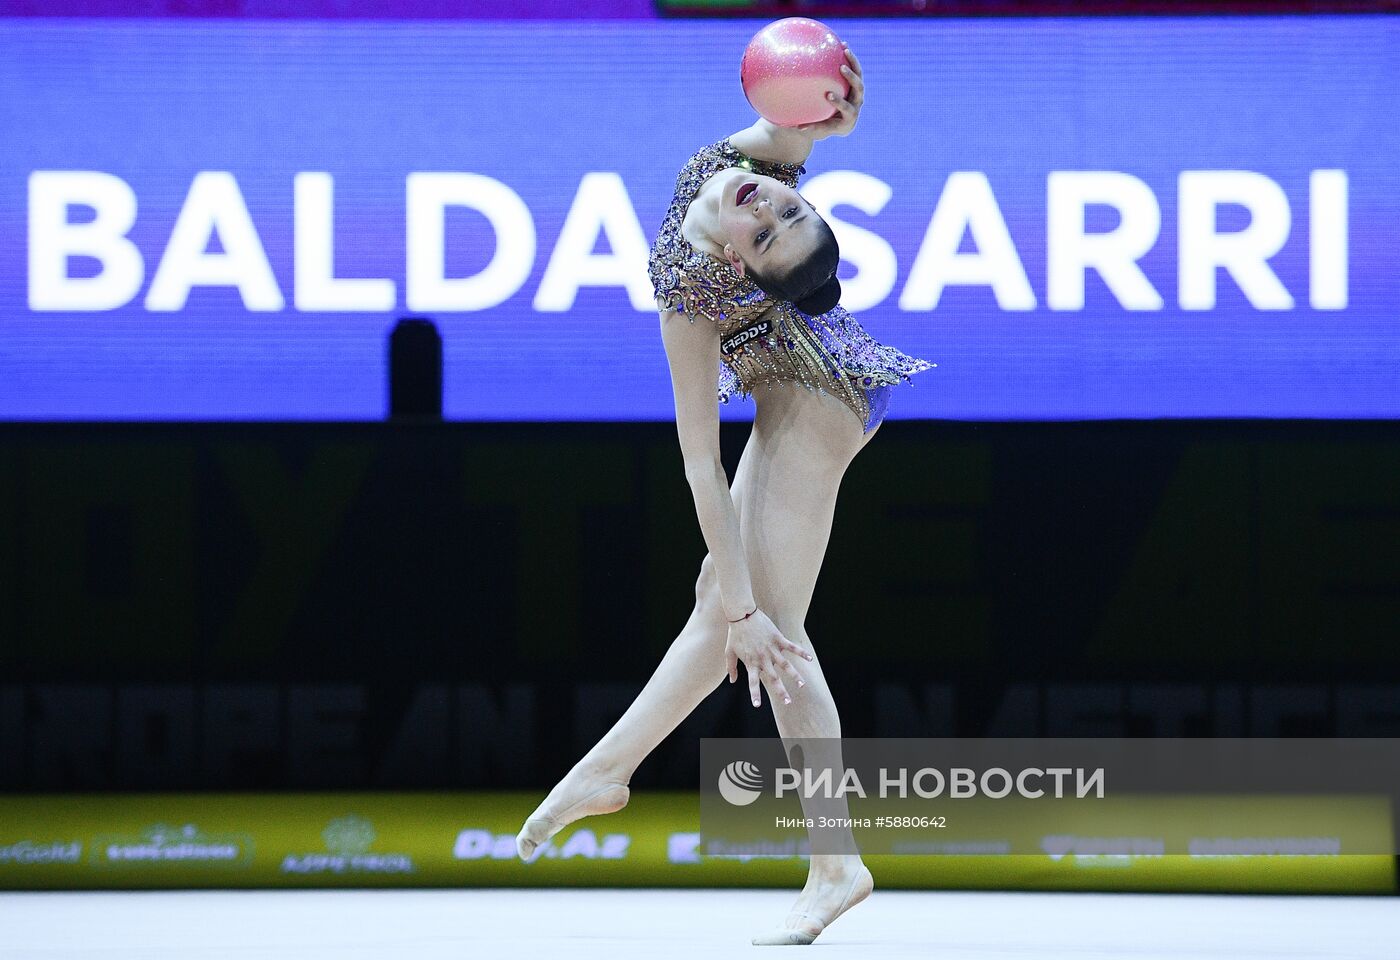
(707, 584)
(792, 626)
(708, 615)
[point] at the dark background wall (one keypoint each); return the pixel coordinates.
(417, 605)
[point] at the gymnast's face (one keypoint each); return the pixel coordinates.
(766, 225)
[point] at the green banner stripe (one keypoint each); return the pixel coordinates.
(467, 840)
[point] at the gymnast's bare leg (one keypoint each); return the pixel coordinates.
(786, 525)
(689, 672)
(784, 495)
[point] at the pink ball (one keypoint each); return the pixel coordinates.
(788, 69)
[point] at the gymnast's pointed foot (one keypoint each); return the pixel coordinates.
(577, 796)
(826, 897)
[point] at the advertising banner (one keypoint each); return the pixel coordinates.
(468, 840)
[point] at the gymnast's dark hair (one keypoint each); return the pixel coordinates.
(811, 286)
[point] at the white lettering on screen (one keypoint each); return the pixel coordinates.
(602, 211)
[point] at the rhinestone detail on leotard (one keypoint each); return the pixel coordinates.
(830, 352)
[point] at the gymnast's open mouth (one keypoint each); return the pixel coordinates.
(746, 193)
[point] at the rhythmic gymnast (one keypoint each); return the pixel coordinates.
(744, 271)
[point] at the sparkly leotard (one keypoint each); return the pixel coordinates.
(762, 340)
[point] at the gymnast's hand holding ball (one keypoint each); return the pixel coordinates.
(798, 74)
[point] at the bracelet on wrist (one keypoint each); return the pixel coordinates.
(747, 615)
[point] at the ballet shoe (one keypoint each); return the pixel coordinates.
(538, 829)
(809, 927)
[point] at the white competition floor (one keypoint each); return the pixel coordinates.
(676, 925)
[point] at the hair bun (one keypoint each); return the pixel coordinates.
(822, 299)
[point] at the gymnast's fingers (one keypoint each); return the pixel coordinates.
(855, 61)
(857, 94)
(790, 647)
(789, 671)
(775, 684)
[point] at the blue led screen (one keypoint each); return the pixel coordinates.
(1073, 218)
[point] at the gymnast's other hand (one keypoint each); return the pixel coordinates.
(843, 121)
(763, 648)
